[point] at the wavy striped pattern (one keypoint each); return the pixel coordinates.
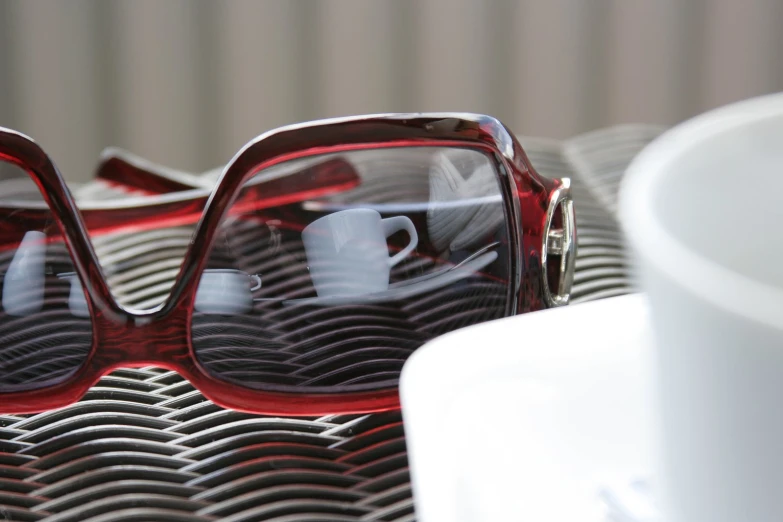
(143, 445)
(42, 347)
(353, 346)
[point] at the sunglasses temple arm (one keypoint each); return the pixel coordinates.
(15, 221)
(121, 169)
(323, 179)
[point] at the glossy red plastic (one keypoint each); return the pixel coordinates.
(161, 337)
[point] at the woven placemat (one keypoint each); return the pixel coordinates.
(143, 445)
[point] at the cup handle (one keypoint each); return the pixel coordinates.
(257, 282)
(395, 224)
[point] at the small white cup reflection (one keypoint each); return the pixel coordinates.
(23, 283)
(226, 291)
(77, 302)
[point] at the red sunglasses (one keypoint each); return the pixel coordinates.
(324, 256)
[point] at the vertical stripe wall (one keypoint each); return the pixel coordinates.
(187, 82)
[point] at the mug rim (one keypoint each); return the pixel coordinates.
(655, 245)
(327, 216)
(224, 271)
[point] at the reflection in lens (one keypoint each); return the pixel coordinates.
(45, 329)
(354, 281)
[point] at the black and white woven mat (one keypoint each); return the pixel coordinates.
(143, 445)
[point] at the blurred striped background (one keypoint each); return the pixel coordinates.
(187, 82)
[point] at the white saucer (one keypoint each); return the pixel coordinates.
(406, 289)
(530, 417)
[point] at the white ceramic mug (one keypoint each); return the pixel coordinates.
(702, 209)
(226, 291)
(347, 252)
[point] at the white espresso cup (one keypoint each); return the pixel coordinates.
(702, 208)
(24, 281)
(348, 254)
(226, 291)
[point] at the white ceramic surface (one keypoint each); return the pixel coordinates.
(226, 291)
(529, 417)
(347, 253)
(702, 208)
(410, 287)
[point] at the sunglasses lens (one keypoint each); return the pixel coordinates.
(329, 271)
(45, 328)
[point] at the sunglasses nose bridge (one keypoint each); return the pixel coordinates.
(155, 340)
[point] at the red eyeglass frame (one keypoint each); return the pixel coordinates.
(535, 206)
